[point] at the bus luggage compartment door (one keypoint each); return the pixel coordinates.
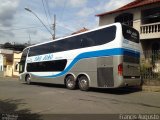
(105, 77)
(131, 70)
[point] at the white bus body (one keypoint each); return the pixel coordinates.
(106, 57)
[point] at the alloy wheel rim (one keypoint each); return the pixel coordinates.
(70, 83)
(83, 83)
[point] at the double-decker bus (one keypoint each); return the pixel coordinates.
(105, 57)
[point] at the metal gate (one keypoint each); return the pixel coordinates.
(150, 65)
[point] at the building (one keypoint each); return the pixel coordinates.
(6, 61)
(16, 60)
(80, 31)
(1, 46)
(9, 60)
(1, 65)
(143, 15)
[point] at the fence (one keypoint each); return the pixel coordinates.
(150, 65)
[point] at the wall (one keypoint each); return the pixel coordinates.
(149, 38)
(6, 51)
(15, 67)
(1, 66)
(109, 19)
(9, 71)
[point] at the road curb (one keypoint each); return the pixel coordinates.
(151, 88)
(6, 78)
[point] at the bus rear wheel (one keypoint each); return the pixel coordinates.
(83, 83)
(28, 79)
(70, 82)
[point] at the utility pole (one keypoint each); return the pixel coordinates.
(29, 41)
(29, 10)
(54, 28)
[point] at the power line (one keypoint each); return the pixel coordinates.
(64, 5)
(45, 11)
(48, 10)
(27, 9)
(23, 28)
(65, 27)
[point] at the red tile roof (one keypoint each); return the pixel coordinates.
(134, 4)
(79, 31)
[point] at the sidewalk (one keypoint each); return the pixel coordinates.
(9, 78)
(151, 85)
(151, 88)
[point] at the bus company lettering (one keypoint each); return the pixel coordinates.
(37, 58)
(46, 57)
(133, 34)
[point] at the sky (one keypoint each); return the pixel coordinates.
(20, 26)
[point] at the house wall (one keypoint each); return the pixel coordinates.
(7, 62)
(9, 71)
(109, 19)
(1, 66)
(16, 60)
(149, 38)
(5, 51)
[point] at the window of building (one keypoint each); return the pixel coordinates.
(16, 67)
(125, 18)
(150, 15)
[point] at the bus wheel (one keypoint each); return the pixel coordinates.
(70, 82)
(83, 83)
(28, 79)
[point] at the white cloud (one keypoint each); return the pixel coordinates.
(7, 11)
(31, 31)
(76, 3)
(85, 12)
(111, 5)
(77, 14)
(8, 4)
(68, 3)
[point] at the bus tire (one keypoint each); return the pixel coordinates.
(28, 79)
(83, 83)
(70, 82)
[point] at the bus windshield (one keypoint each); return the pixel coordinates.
(22, 61)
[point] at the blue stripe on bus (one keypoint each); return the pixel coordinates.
(107, 52)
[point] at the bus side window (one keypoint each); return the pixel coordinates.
(87, 42)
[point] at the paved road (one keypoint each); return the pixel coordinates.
(56, 99)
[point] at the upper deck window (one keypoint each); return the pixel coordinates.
(94, 38)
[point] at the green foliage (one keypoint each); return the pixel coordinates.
(16, 47)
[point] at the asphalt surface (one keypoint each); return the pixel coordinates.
(36, 99)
